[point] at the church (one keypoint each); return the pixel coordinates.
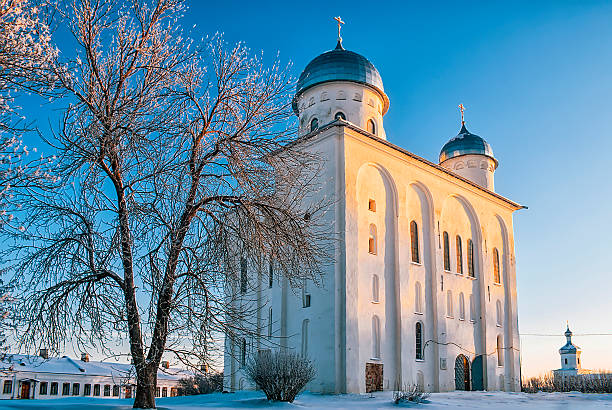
(423, 287)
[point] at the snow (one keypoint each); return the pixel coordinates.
(380, 400)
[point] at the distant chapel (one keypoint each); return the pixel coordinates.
(423, 288)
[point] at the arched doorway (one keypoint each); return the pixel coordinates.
(462, 373)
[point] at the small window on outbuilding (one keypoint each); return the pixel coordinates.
(7, 388)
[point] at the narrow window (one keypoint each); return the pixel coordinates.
(449, 303)
(418, 331)
(305, 296)
(96, 389)
(471, 258)
(375, 297)
(66, 389)
(375, 337)
(243, 352)
(164, 392)
(499, 313)
(157, 391)
(472, 309)
(87, 390)
(372, 240)
(107, 390)
(565, 361)
(414, 241)
(43, 388)
(371, 126)
(459, 255)
(115, 391)
(305, 338)
(372, 205)
(54, 388)
(269, 323)
(500, 351)
(314, 124)
(340, 115)
(496, 276)
(271, 275)
(461, 306)
(446, 252)
(7, 388)
(76, 387)
(418, 304)
(243, 275)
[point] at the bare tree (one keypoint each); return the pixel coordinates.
(175, 162)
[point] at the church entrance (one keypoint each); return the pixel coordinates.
(462, 373)
(374, 377)
(478, 373)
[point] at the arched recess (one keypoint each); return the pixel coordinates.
(375, 182)
(431, 350)
(507, 305)
(458, 217)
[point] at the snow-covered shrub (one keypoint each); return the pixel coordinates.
(600, 382)
(412, 394)
(280, 375)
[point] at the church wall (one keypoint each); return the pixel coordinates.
(460, 209)
(476, 168)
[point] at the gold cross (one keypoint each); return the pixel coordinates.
(462, 108)
(340, 22)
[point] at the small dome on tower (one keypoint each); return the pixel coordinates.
(569, 347)
(340, 65)
(466, 143)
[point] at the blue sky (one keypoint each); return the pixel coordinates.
(536, 78)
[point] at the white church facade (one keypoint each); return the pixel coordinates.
(423, 287)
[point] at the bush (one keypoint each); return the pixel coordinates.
(413, 394)
(201, 384)
(585, 383)
(280, 375)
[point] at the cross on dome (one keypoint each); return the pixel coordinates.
(462, 109)
(340, 23)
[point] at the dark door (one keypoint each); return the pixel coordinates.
(462, 373)
(374, 377)
(25, 390)
(478, 373)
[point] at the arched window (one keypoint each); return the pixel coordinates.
(375, 297)
(499, 313)
(471, 258)
(375, 337)
(461, 306)
(314, 124)
(305, 337)
(371, 126)
(372, 240)
(459, 255)
(446, 251)
(496, 276)
(243, 352)
(472, 309)
(449, 303)
(269, 323)
(418, 304)
(340, 115)
(500, 350)
(271, 275)
(418, 332)
(414, 241)
(243, 275)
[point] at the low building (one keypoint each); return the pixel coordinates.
(41, 377)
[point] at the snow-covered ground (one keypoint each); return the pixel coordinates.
(255, 400)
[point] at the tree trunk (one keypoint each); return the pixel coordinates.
(145, 389)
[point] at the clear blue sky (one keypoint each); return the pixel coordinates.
(536, 78)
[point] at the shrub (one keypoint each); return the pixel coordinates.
(585, 383)
(413, 394)
(280, 375)
(201, 384)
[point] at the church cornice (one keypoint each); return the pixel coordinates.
(342, 123)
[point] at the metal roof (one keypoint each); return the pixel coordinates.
(466, 143)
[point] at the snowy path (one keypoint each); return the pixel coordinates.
(254, 400)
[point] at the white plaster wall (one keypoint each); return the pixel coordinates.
(358, 102)
(477, 168)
